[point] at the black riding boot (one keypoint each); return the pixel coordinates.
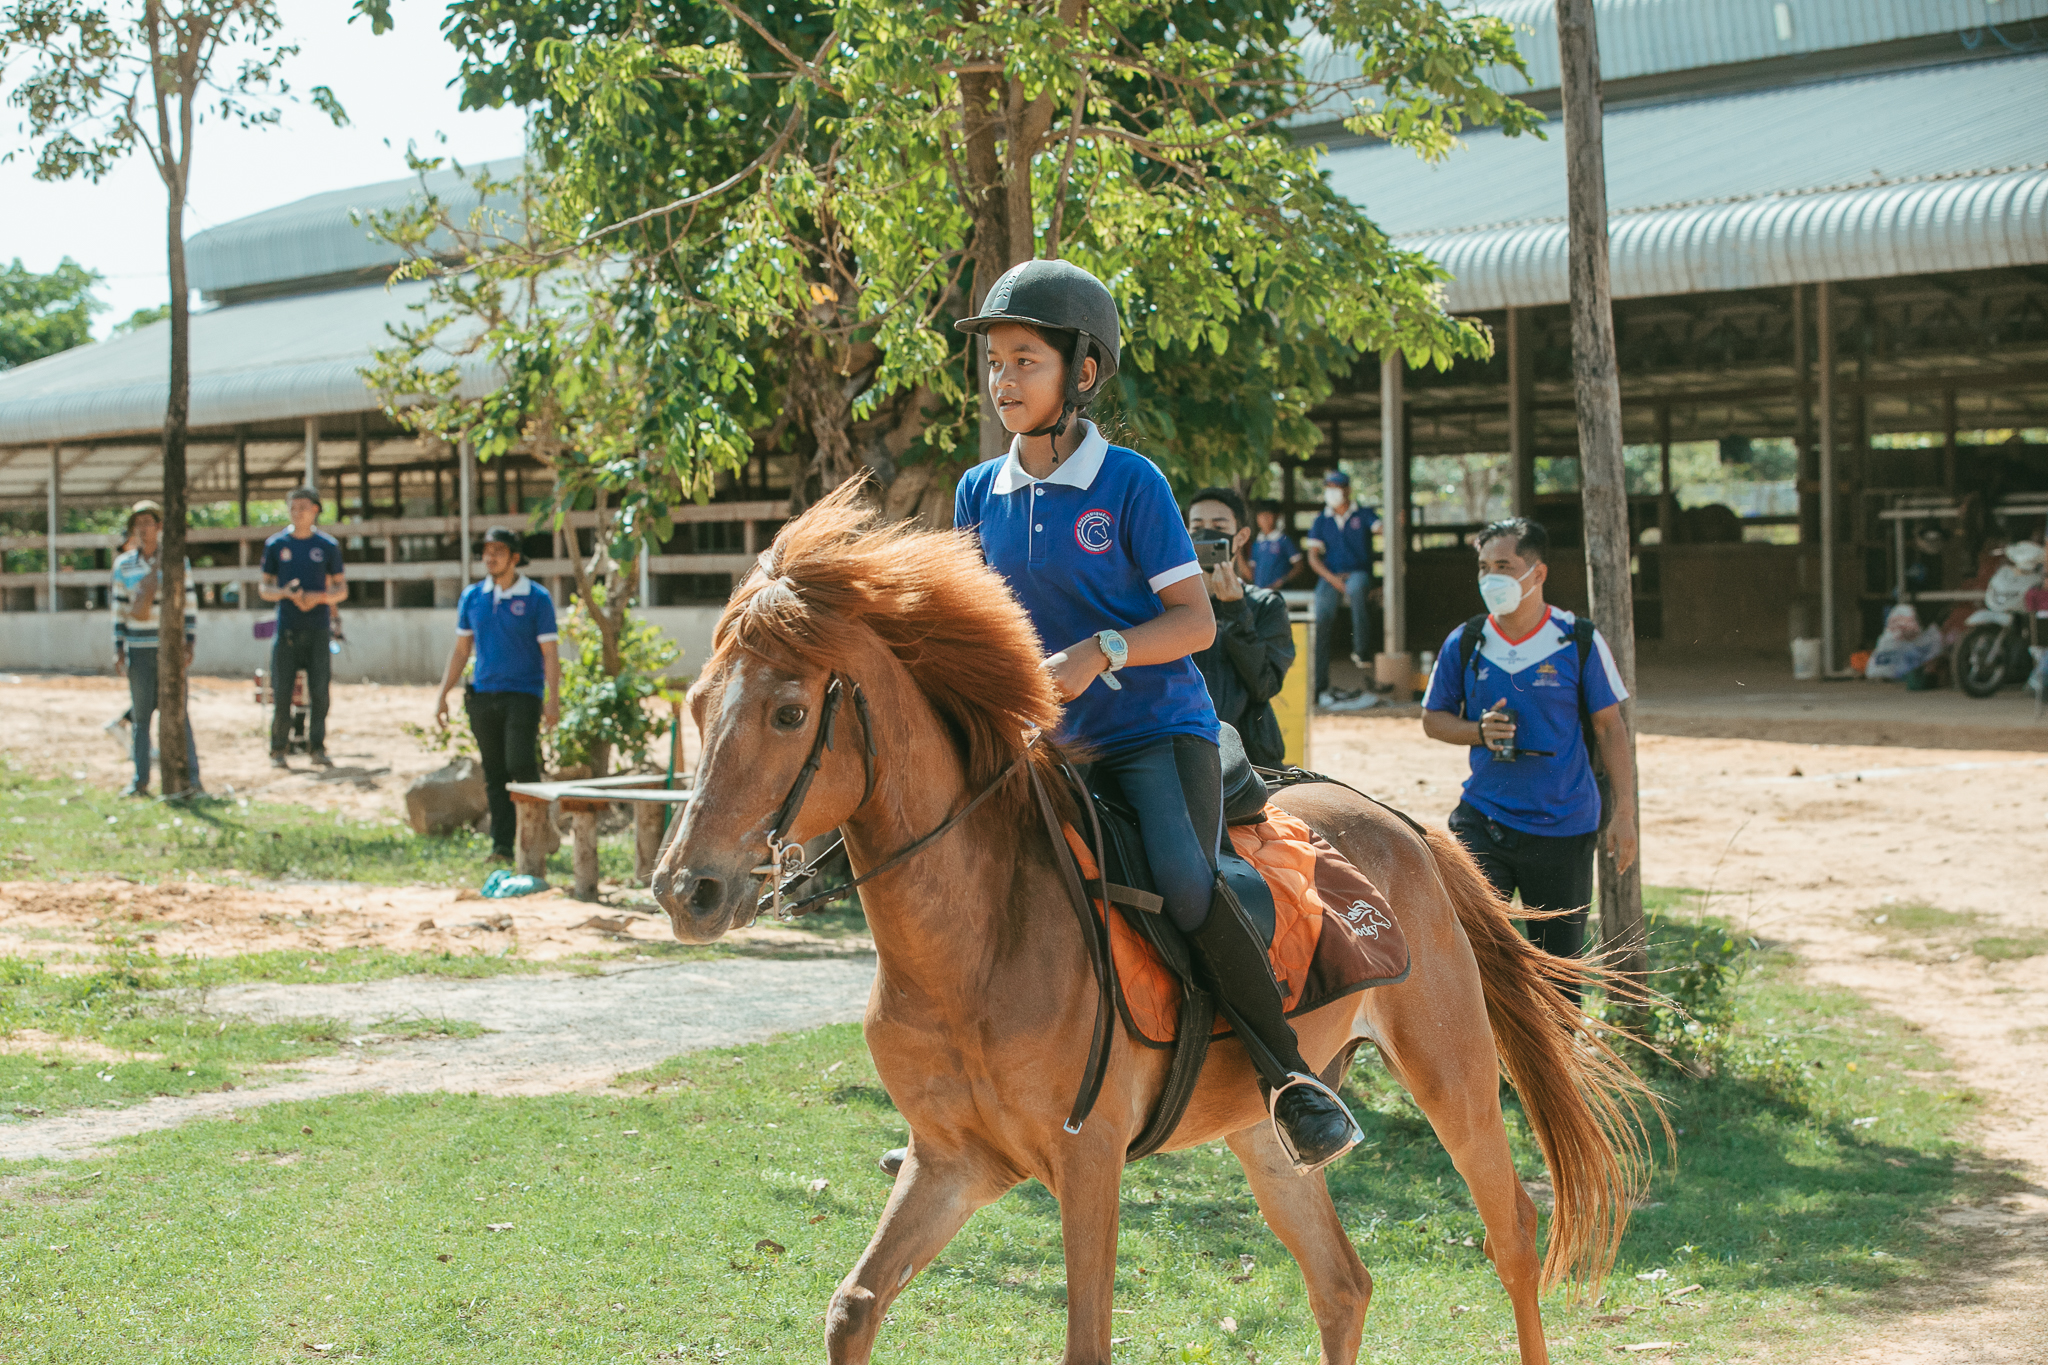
(1314, 1123)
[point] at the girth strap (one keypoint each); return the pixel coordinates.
(1095, 936)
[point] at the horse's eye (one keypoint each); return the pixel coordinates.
(789, 717)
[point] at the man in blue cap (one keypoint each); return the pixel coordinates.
(1340, 553)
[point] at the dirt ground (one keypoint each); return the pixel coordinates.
(1803, 845)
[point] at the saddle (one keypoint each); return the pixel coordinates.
(1147, 961)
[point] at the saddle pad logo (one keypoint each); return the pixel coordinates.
(1095, 532)
(1365, 919)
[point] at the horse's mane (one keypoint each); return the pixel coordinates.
(840, 569)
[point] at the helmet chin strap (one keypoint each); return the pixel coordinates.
(1073, 404)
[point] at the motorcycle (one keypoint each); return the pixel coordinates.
(1998, 641)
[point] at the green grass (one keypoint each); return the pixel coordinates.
(1917, 917)
(52, 829)
(1998, 949)
(681, 1223)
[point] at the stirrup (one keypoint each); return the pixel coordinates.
(1294, 1080)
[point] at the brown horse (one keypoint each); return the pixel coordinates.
(984, 1001)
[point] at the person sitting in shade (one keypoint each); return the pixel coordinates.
(1274, 555)
(508, 621)
(1340, 553)
(136, 581)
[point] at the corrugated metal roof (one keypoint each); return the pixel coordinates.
(277, 359)
(1646, 37)
(1834, 180)
(319, 236)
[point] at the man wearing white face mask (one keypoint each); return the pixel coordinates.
(1535, 694)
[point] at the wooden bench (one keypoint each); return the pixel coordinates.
(584, 800)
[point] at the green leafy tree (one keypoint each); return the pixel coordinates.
(782, 207)
(143, 317)
(97, 81)
(605, 712)
(43, 314)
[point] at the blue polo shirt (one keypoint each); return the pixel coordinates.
(1088, 550)
(307, 563)
(1346, 547)
(1538, 677)
(1272, 556)
(509, 626)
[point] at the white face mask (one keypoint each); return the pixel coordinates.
(1501, 593)
(1335, 497)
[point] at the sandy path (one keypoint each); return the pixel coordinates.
(1809, 861)
(549, 1035)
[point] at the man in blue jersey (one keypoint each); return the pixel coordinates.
(1340, 552)
(508, 620)
(1520, 686)
(302, 573)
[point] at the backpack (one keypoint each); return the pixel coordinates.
(1473, 633)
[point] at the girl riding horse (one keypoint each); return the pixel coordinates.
(1092, 543)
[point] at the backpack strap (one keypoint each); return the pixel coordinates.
(1470, 636)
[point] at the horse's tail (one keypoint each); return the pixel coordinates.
(1583, 1102)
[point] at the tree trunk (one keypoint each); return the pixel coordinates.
(171, 653)
(1597, 393)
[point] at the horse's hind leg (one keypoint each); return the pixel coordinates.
(1298, 1209)
(928, 1206)
(1456, 1082)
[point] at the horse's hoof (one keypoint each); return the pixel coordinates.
(892, 1160)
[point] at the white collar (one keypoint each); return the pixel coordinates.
(1275, 534)
(521, 585)
(1078, 471)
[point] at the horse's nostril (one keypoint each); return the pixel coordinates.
(710, 893)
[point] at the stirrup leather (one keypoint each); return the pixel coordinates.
(1295, 1079)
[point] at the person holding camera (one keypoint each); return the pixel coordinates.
(1254, 646)
(1534, 693)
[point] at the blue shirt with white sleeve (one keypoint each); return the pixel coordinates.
(509, 625)
(1086, 550)
(1538, 677)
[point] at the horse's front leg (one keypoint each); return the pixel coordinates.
(934, 1195)
(1089, 1188)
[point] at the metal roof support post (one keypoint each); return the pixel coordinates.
(1825, 307)
(313, 458)
(1667, 504)
(1393, 507)
(465, 458)
(50, 555)
(1948, 441)
(242, 475)
(363, 465)
(1522, 412)
(646, 579)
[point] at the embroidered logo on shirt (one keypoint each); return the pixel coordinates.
(518, 608)
(316, 556)
(1095, 532)
(285, 555)
(1548, 676)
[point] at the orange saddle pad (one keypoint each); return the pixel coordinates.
(1333, 933)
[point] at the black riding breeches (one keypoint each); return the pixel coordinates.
(1176, 786)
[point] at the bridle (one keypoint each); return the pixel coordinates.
(786, 865)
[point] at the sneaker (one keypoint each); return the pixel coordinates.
(132, 789)
(277, 761)
(319, 759)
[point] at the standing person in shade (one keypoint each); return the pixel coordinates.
(1254, 645)
(1520, 686)
(133, 592)
(1340, 553)
(1273, 552)
(302, 573)
(508, 620)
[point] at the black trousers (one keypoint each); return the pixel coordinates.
(1176, 786)
(1552, 873)
(507, 730)
(304, 647)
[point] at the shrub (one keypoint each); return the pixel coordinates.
(607, 714)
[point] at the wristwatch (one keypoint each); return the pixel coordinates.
(1117, 651)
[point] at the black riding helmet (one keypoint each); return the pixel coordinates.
(1058, 296)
